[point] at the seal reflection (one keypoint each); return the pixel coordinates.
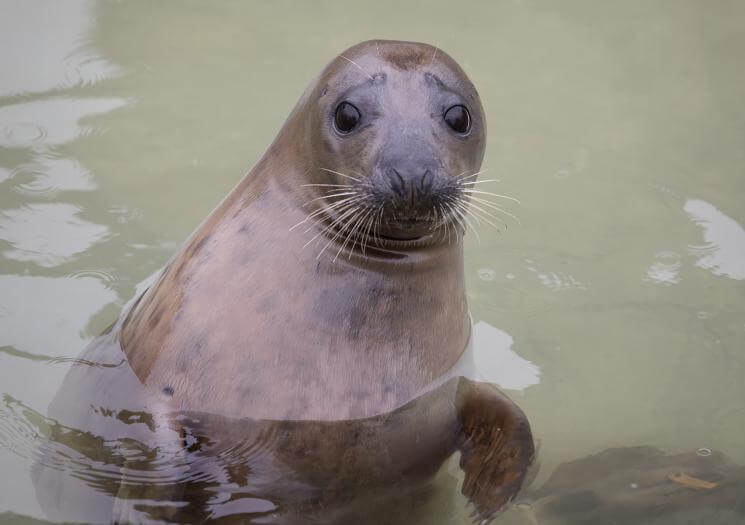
(190, 467)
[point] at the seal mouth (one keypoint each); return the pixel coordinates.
(408, 228)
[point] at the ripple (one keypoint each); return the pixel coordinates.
(107, 277)
(124, 214)
(665, 269)
(24, 133)
(52, 121)
(723, 251)
(487, 274)
(52, 175)
(51, 47)
(703, 452)
(556, 281)
(48, 234)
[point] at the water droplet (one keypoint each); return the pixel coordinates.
(510, 276)
(562, 174)
(487, 274)
(703, 452)
(667, 258)
(633, 486)
(702, 315)
(665, 269)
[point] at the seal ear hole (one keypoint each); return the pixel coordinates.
(346, 118)
(458, 118)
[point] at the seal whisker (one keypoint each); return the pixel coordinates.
(459, 227)
(337, 185)
(493, 206)
(366, 237)
(472, 175)
(484, 212)
(337, 204)
(347, 211)
(341, 174)
(342, 229)
(481, 212)
(358, 67)
(471, 183)
(331, 196)
(340, 207)
(461, 210)
(469, 190)
(346, 195)
(355, 225)
(455, 209)
(447, 225)
(378, 223)
(444, 224)
(347, 201)
(354, 232)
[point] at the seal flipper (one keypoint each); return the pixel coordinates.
(496, 446)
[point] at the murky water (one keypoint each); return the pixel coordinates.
(617, 307)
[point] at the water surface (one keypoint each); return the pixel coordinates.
(619, 126)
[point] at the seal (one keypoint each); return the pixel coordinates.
(318, 309)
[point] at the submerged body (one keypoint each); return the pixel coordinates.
(294, 352)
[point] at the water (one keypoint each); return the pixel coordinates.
(620, 127)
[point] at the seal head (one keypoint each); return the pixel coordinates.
(397, 133)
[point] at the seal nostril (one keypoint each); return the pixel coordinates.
(398, 185)
(401, 182)
(426, 182)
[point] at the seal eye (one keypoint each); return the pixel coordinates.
(458, 118)
(346, 118)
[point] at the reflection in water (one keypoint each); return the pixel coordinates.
(50, 174)
(665, 269)
(642, 485)
(70, 302)
(48, 234)
(556, 281)
(52, 36)
(497, 363)
(643, 102)
(724, 251)
(50, 122)
(148, 462)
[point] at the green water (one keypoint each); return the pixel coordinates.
(619, 125)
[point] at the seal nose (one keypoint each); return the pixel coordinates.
(410, 184)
